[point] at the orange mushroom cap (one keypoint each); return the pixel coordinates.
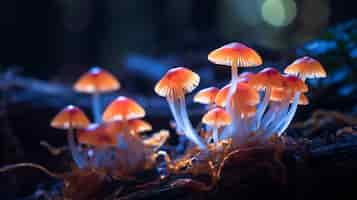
(206, 96)
(247, 110)
(268, 77)
(96, 80)
(123, 108)
(244, 95)
(70, 117)
(217, 117)
(235, 54)
(99, 135)
(295, 84)
(306, 67)
(139, 125)
(177, 82)
(280, 94)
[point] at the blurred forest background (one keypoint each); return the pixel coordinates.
(59, 39)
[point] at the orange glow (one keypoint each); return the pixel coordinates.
(123, 108)
(235, 54)
(96, 80)
(244, 95)
(206, 96)
(70, 117)
(177, 82)
(306, 67)
(295, 84)
(217, 117)
(102, 135)
(268, 77)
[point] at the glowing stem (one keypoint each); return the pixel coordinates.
(280, 115)
(174, 108)
(76, 154)
(215, 135)
(96, 108)
(232, 89)
(262, 107)
(290, 114)
(189, 130)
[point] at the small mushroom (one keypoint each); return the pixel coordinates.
(306, 67)
(72, 118)
(124, 109)
(265, 80)
(174, 85)
(294, 87)
(216, 117)
(95, 82)
(206, 96)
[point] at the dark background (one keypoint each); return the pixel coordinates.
(50, 37)
(138, 40)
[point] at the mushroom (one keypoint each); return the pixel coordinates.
(206, 96)
(244, 96)
(235, 55)
(124, 109)
(243, 103)
(71, 118)
(102, 141)
(279, 106)
(96, 81)
(174, 85)
(305, 67)
(139, 126)
(216, 117)
(294, 87)
(265, 80)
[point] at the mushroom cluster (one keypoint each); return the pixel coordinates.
(113, 143)
(251, 109)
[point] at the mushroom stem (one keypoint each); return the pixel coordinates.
(96, 107)
(290, 115)
(187, 126)
(232, 89)
(31, 165)
(262, 107)
(174, 108)
(269, 116)
(76, 154)
(215, 135)
(279, 116)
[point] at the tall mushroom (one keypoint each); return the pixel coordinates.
(235, 55)
(96, 81)
(174, 85)
(216, 117)
(305, 67)
(294, 88)
(71, 118)
(265, 80)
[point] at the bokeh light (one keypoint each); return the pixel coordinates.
(279, 12)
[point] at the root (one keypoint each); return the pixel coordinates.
(31, 165)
